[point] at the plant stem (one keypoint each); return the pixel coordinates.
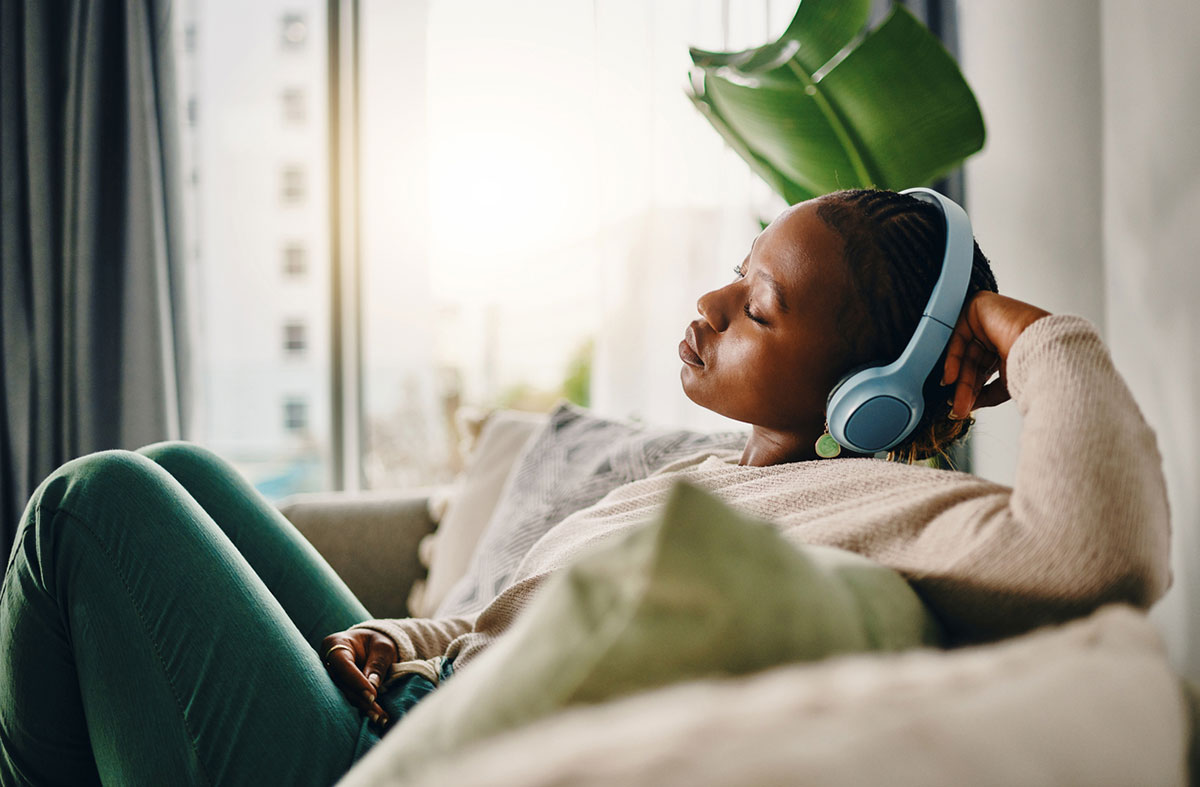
(839, 129)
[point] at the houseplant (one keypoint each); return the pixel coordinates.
(832, 104)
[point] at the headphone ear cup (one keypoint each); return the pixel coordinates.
(867, 412)
(845, 379)
(836, 418)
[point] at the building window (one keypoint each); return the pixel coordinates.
(292, 190)
(294, 106)
(189, 38)
(295, 414)
(192, 111)
(295, 338)
(295, 260)
(294, 30)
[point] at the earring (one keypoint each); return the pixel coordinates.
(827, 447)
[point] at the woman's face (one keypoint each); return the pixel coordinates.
(769, 346)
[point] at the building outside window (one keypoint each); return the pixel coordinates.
(294, 106)
(295, 260)
(257, 202)
(294, 31)
(295, 414)
(292, 184)
(295, 338)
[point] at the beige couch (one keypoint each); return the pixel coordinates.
(1093, 702)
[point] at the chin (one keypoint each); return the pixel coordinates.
(687, 376)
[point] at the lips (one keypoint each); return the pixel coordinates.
(689, 349)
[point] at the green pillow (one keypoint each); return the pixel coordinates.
(701, 591)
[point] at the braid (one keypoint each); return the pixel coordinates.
(894, 247)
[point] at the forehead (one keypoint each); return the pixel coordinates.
(802, 252)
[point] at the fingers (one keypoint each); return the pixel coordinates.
(978, 347)
(381, 654)
(974, 369)
(344, 652)
(956, 347)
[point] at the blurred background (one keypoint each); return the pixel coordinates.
(537, 207)
(331, 226)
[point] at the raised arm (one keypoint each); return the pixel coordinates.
(1087, 520)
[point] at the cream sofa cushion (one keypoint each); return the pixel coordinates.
(1093, 702)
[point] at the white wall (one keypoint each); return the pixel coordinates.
(1152, 248)
(1087, 199)
(1034, 193)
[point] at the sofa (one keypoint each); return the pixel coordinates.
(861, 694)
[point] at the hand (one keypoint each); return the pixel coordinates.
(979, 347)
(357, 660)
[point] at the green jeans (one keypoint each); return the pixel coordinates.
(158, 625)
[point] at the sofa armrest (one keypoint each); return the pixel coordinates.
(370, 540)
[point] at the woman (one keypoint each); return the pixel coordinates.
(160, 621)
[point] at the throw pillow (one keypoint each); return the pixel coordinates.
(500, 445)
(702, 590)
(576, 459)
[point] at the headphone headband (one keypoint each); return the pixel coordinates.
(874, 409)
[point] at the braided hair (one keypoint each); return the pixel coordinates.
(894, 245)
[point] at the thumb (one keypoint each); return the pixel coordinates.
(381, 654)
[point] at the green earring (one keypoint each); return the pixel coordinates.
(827, 447)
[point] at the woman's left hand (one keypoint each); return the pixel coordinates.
(358, 660)
(985, 333)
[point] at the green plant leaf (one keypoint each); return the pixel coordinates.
(905, 100)
(828, 106)
(817, 32)
(784, 126)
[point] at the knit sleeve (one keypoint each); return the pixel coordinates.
(419, 638)
(1087, 520)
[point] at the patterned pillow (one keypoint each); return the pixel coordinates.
(577, 459)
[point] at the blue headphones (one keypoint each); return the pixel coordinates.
(874, 409)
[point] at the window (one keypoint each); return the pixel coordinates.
(292, 185)
(192, 111)
(294, 106)
(257, 201)
(295, 260)
(439, 320)
(295, 414)
(295, 338)
(294, 30)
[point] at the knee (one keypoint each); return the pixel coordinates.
(90, 487)
(182, 458)
(109, 497)
(94, 478)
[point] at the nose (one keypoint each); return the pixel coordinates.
(711, 306)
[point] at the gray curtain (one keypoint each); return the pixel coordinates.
(92, 350)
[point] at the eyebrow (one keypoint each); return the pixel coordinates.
(775, 286)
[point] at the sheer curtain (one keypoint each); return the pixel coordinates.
(577, 204)
(676, 209)
(91, 290)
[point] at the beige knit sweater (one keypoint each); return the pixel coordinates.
(1085, 523)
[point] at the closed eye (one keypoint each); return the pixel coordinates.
(752, 315)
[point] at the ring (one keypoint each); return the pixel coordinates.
(339, 646)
